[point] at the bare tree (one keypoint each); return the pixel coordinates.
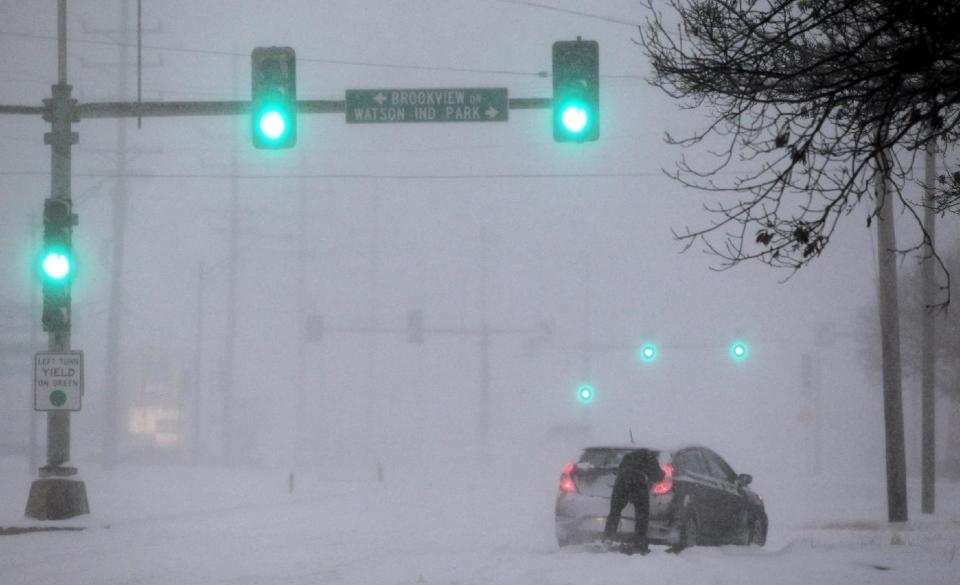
(804, 96)
(813, 105)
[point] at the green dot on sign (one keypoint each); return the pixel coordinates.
(58, 398)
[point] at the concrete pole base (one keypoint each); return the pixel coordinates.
(57, 498)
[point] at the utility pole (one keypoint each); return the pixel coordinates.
(890, 346)
(115, 304)
(228, 391)
(928, 349)
(301, 392)
(484, 417)
(378, 400)
(55, 495)
(33, 458)
(113, 372)
(824, 335)
(198, 384)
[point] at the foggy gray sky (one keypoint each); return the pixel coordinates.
(387, 233)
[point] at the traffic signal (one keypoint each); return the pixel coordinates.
(739, 351)
(274, 97)
(585, 393)
(648, 352)
(56, 263)
(576, 91)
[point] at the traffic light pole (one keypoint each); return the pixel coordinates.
(54, 496)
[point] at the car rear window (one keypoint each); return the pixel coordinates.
(603, 457)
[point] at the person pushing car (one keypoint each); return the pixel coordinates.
(639, 471)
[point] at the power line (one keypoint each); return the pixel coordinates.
(569, 11)
(350, 176)
(345, 62)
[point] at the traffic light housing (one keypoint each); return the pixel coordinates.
(274, 97)
(576, 91)
(56, 263)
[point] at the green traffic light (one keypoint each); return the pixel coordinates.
(739, 351)
(576, 91)
(585, 393)
(648, 352)
(273, 97)
(272, 126)
(56, 265)
(574, 118)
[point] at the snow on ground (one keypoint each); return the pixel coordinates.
(181, 525)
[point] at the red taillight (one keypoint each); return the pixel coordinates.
(665, 486)
(566, 480)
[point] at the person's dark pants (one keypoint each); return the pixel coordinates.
(640, 499)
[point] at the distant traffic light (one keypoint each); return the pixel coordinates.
(585, 393)
(648, 352)
(56, 263)
(274, 97)
(739, 350)
(576, 91)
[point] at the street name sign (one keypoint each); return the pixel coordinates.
(386, 106)
(57, 380)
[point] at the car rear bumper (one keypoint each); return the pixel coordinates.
(582, 519)
(590, 529)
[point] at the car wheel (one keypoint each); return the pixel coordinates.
(758, 532)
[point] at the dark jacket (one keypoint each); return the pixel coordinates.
(640, 469)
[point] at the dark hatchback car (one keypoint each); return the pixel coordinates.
(700, 501)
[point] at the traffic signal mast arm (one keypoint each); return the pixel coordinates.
(218, 108)
(274, 75)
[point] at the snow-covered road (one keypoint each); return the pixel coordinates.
(166, 525)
